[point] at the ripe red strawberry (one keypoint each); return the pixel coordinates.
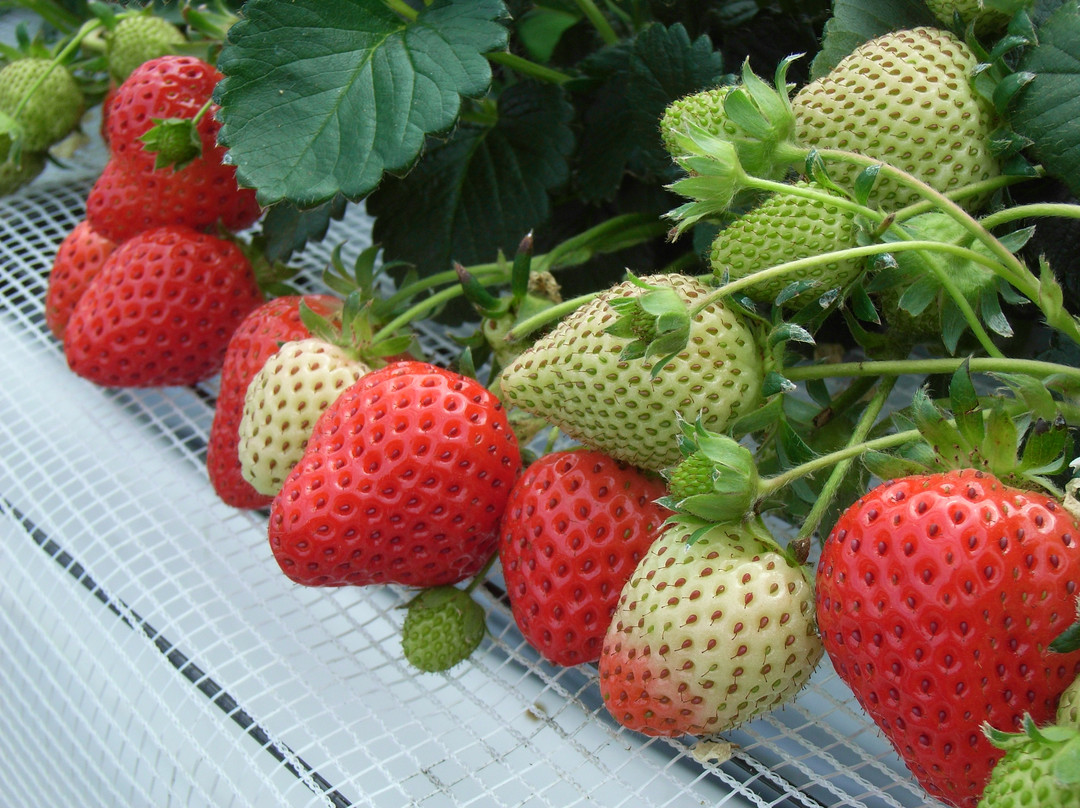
(128, 199)
(167, 87)
(256, 338)
(937, 598)
(80, 257)
(576, 526)
(404, 480)
(161, 311)
(133, 194)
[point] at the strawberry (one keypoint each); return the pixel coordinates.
(904, 98)
(986, 19)
(404, 480)
(161, 310)
(54, 106)
(443, 626)
(1041, 767)
(163, 88)
(138, 190)
(578, 378)
(138, 39)
(80, 257)
(704, 109)
(128, 199)
(282, 403)
(15, 174)
(576, 526)
(254, 340)
(708, 635)
(786, 228)
(937, 598)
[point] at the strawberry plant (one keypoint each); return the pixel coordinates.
(705, 244)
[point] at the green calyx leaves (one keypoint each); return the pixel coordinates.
(1064, 761)
(755, 140)
(718, 479)
(1025, 449)
(656, 322)
(174, 141)
(365, 310)
(443, 626)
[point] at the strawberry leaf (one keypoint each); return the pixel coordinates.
(481, 190)
(286, 228)
(321, 98)
(855, 21)
(1047, 109)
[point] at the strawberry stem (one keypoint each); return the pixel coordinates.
(529, 68)
(482, 574)
(598, 20)
(836, 477)
(1045, 209)
(900, 367)
(402, 8)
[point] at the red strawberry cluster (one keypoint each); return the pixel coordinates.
(146, 291)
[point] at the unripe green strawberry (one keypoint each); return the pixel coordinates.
(986, 19)
(1068, 711)
(138, 39)
(283, 402)
(704, 109)
(787, 228)
(692, 476)
(1041, 768)
(906, 99)
(708, 635)
(444, 625)
(14, 176)
(576, 378)
(54, 107)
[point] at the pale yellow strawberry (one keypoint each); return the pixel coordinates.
(283, 402)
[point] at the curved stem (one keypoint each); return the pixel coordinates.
(958, 194)
(598, 20)
(873, 249)
(774, 484)
(840, 470)
(548, 315)
(900, 367)
(87, 28)
(528, 68)
(1062, 210)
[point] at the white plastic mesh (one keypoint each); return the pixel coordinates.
(151, 652)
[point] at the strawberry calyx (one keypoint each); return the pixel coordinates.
(716, 481)
(176, 142)
(656, 322)
(1064, 761)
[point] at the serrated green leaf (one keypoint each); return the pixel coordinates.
(1047, 111)
(481, 190)
(634, 82)
(287, 229)
(321, 98)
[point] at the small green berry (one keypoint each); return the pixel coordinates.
(54, 105)
(444, 625)
(139, 39)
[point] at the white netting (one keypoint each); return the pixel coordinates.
(153, 654)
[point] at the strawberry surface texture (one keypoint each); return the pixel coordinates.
(905, 98)
(937, 596)
(404, 480)
(257, 337)
(708, 635)
(161, 311)
(576, 526)
(575, 378)
(80, 257)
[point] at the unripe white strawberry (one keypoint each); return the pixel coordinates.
(577, 379)
(708, 635)
(787, 228)
(704, 109)
(905, 98)
(283, 402)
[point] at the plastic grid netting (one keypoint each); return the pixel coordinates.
(151, 652)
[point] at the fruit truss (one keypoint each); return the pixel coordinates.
(691, 254)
